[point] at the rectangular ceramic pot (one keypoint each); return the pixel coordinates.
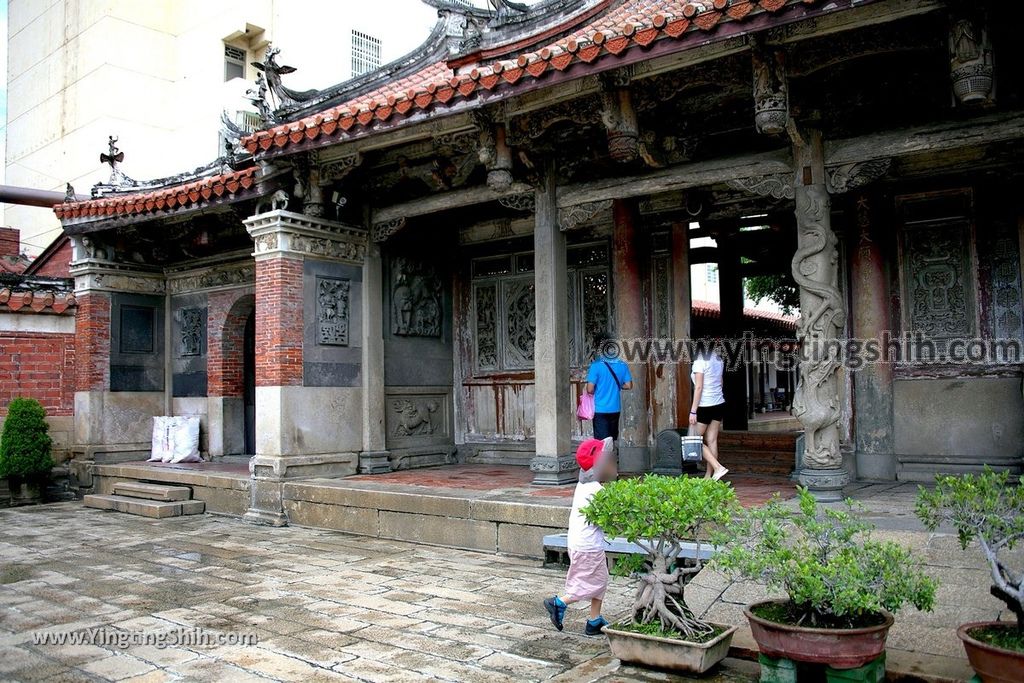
(669, 653)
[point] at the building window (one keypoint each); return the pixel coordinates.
(712, 273)
(503, 310)
(365, 53)
(234, 62)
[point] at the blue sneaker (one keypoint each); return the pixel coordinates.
(595, 626)
(556, 610)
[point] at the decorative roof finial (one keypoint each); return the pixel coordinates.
(114, 156)
(271, 94)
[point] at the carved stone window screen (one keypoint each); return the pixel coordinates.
(503, 307)
(938, 266)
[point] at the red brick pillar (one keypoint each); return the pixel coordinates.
(279, 321)
(315, 429)
(92, 346)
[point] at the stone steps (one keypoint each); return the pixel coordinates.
(138, 489)
(147, 500)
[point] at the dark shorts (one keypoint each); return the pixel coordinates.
(605, 425)
(708, 414)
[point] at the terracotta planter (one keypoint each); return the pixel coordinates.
(669, 653)
(991, 663)
(838, 648)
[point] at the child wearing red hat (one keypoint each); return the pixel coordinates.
(588, 568)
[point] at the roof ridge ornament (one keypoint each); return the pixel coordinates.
(271, 95)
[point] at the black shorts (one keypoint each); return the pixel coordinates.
(605, 425)
(708, 414)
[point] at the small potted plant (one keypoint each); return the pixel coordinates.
(660, 514)
(25, 459)
(841, 585)
(989, 509)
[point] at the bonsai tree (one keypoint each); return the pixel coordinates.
(25, 441)
(825, 560)
(989, 509)
(660, 513)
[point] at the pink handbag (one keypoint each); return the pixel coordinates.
(585, 409)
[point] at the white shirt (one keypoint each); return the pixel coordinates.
(584, 536)
(712, 367)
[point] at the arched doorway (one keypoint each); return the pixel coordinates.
(249, 383)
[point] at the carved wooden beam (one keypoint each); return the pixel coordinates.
(681, 177)
(443, 201)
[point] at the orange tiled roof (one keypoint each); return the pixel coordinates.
(36, 300)
(709, 309)
(14, 265)
(180, 196)
(633, 25)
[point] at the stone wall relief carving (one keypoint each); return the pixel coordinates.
(416, 293)
(332, 311)
(193, 329)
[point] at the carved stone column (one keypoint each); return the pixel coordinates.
(553, 463)
(119, 386)
(822, 311)
(873, 406)
(374, 458)
(309, 395)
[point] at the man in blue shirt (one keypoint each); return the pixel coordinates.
(606, 378)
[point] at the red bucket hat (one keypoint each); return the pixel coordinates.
(588, 453)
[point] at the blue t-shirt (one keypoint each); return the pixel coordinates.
(606, 393)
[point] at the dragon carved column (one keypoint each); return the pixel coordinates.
(822, 313)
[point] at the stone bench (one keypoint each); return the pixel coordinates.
(556, 550)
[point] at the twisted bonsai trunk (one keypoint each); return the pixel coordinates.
(660, 598)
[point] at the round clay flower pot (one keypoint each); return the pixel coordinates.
(838, 648)
(992, 664)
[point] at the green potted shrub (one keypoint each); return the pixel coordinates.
(987, 508)
(841, 584)
(25, 459)
(660, 514)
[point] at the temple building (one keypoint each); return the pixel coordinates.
(407, 269)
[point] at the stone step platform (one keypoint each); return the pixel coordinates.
(138, 489)
(156, 509)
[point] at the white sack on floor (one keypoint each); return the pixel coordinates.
(161, 441)
(185, 440)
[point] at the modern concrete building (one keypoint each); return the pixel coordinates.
(157, 75)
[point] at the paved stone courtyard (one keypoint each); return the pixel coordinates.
(323, 605)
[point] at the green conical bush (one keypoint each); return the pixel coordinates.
(25, 442)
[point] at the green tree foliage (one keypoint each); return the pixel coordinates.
(826, 562)
(987, 508)
(659, 514)
(780, 289)
(25, 442)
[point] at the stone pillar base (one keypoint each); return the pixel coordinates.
(374, 462)
(551, 471)
(268, 474)
(825, 485)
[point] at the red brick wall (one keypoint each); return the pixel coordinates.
(92, 326)
(279, 322)
(10, 241)
(38, 365)
(226, 316)
(58, 264)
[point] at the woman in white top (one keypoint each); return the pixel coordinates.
(708, 407)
